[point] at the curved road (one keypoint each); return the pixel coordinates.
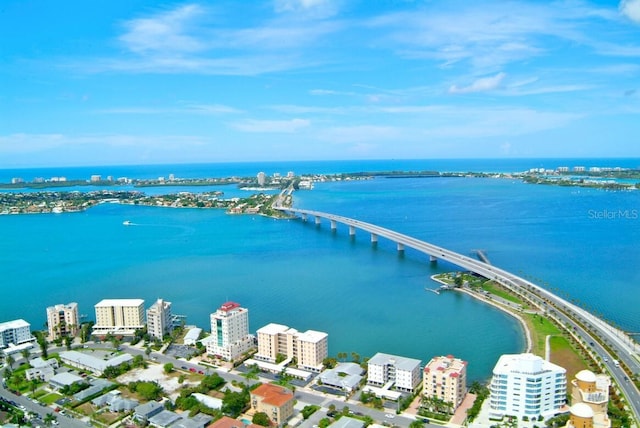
(626, 349)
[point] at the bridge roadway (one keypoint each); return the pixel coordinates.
(626, 349)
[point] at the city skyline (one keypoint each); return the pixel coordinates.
(182, 82)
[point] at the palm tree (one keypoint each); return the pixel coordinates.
(49, 419)
(25, 354)
(10, 361)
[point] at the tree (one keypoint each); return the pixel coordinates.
(25, 354)
(261, 418)
(42, 341)
(10, 361)
(49, 419)
(168, 368)
(147, 351)
(68, 340)
(416, 424)
(355, 357)
(329, 362)
(149, 390)
(234, 403)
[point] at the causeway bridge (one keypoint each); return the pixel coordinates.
(626, 348)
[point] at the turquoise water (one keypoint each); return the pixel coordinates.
(368, 300)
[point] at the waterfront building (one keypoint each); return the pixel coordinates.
(159, 319)
(95, 178)
(63, 320)
(590, 398)
(119, 316)
(309, 348)
(527, 385)
(261, 178)
(230, 332)
(344, 376)
(401, 372)
(15, 333)
(445, 379)
(273, 400)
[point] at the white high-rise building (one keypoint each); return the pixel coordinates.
(527, 385)
(262, 177)
(309, 348)
(119, 316)
(14, 333)
(159, 320)
(230, 332)
(63, 320)
(403, 372)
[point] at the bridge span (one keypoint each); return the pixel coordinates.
(505, 278)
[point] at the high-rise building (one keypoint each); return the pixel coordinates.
(119, 317)
(445, 378)
(527, 385)
(159, 319)
(590, 398)
(261, 178)
(63, 320)
(14, 333)
(230, 332)
(402, 372)
(309, 348)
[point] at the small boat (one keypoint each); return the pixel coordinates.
(127, 223)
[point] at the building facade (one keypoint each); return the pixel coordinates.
(590, 398)
(230, 332)
(527, 385)
(159, 319)
(403, 373)
(309, 348)
(63, 320)
(14, 333)
(119, 317)
(273, 400)
(445, 378)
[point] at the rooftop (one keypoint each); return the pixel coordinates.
(228, 306)
(402, 363)
(14, 324)
(119, 302)
(312, 336)
(273, 394)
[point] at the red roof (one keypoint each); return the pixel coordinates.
(273, 394)
(229, 306)
(227, 422)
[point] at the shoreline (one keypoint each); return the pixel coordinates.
(525, 328)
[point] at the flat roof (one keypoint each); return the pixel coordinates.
(92, 362)
(312, 336)
(14, 324)
(65, 378)
(273, 328)
(119, 302)
(399, 362)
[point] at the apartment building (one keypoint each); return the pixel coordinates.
(63, 320)
(159, 319)
(119, 317)
(309, 348)
(273, 400)
(230, 332)
(445, 378)
(15, 333)
(402, 373)
(527, 385)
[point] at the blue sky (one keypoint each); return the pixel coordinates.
(137, 82)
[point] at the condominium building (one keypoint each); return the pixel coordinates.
(527, 385)
(63, 320)
(14, 333)
(159, 319)
(309, 348)
(230, 332)
(401, 372)
(590, 398)
(273, 400)
(119, 316)
(445, 378)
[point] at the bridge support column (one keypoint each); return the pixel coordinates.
(433, 259)
(304, 217)
(400, 248)
(318, 220)
(374, 239)
(334, 225)
(352, 231)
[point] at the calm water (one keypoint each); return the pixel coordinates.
(368, 300)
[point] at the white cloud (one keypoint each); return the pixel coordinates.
(276, 126)
(312, 8)
(480, 85)
(631, 9)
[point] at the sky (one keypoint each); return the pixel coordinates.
(107, 82)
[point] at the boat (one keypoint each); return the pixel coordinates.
(127, 223)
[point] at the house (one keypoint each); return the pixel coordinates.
(345, 376)
(164, 419)
(347, 422)
(62, 380)
(227, 422)
(145, 411)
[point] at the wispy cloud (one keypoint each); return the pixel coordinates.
(271, 126)
(203, 109)
(480, 85)
(631, 9)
